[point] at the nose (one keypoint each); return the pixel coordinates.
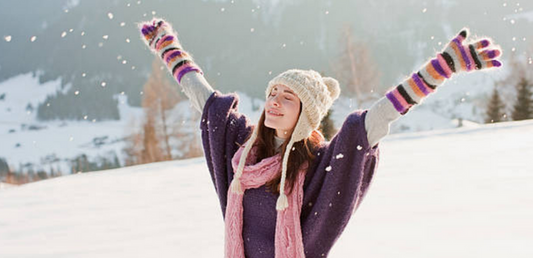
(274, 101)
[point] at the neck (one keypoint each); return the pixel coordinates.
(283, 134)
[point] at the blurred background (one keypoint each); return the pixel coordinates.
(77, 84)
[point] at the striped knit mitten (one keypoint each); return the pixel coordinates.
(163, 41)
(456, 57)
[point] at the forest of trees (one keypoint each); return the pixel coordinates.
(518, 101)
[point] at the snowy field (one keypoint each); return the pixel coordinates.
(449, 193)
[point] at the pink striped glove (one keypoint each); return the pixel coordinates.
(456, 57)
(159, 36)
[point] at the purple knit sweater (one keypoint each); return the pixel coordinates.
(335, 184)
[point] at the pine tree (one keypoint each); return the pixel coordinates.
(523, 108)
(327, 127)
(495, 109)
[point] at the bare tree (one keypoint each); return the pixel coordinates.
(159, 97)
(355, 68)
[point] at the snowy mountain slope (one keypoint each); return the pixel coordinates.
(455, 192)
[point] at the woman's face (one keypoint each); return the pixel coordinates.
(282, 110)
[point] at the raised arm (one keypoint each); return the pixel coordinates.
(456, 57)
(163, 41)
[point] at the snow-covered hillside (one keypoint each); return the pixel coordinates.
(53, 144)
(443, 193)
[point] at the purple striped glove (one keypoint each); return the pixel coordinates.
(159, 36)
(456, 57)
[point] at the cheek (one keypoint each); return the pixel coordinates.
(295, 111)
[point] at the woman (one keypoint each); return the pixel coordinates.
(283, 190)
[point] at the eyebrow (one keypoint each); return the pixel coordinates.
(288, 91)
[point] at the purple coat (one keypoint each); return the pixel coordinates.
(334, 186)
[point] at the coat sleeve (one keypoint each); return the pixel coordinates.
(336, 183)
(224, 129)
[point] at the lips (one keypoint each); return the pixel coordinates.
(274, 113)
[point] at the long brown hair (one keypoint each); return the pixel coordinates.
(303, 152)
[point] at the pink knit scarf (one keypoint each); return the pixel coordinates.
(288, 239)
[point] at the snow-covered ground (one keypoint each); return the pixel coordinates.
(444, 193)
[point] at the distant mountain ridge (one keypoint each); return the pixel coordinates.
(239, 44)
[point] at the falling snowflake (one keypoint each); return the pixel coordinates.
(252, 30)
(424, 10)
(103, 84)
(83, 33)
(83, 74)
(328, 168)
(359, 147)
(7, 38)
(110, 15)
(77, 92)
(85, 117)
(105, 36)
(63, 34)
(33, 38)
(222, 9)
(71, 138)
(122, 24)
(127, 40)
(339, 156)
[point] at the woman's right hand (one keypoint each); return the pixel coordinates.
(159, 36)
(154, 30)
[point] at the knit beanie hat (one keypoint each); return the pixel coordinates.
(317, 94)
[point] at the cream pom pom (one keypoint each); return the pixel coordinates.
(333, 87)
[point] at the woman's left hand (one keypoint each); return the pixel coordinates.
(469, 56)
